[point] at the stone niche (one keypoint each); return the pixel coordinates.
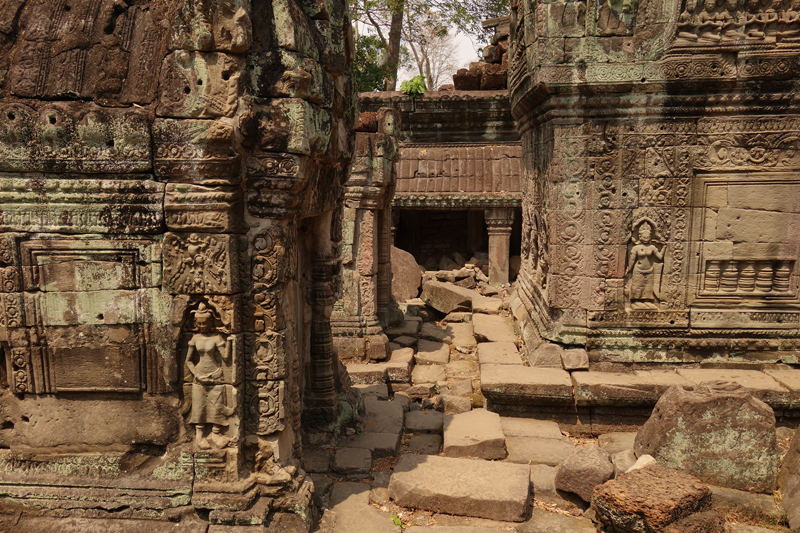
(171, 188)
(661, 194)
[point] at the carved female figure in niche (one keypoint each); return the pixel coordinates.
(642, 260)
(206, 358)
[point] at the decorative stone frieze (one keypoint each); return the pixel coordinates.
(658, 178)
(171, 188)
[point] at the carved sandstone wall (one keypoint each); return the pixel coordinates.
(661, 195)
(171, 184)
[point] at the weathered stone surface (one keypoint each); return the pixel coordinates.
(350, 505)
(623, 461)
(718, 432)
(527, 427)
(383, 416)
(585, 469)
(513, 384)
(406, 277)
(499, 491)
(446, 297)
(408, 328)
(538, 450)
(575, 359)
(454, 404)
(544, 489)
(614, 388)
(789, 481)
(352, 461)
(759, 384)
(546, 522)
(477, 433)
(490, 328)
(424, 422)
(432, 332)
(703, 522)
(366, 374)
(616, 442)
(423, 374)
(425, 443)
(432, 352)
(380, 444)
(546, 355)
(498, 353)
(649, 499)
(758, 507)
(378, 390)
(462, 335)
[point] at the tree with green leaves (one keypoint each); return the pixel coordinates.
(384, 19)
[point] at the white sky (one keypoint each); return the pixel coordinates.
(466, 55)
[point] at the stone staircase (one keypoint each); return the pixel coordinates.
(463, 435)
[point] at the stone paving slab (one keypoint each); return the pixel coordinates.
(538, 450)
(463, 368)
(424, 422)
(664, 379)
(350, 505)
(528, 427)
(543, 479)
(487, 305)
(477, 433)
(463, 335)
(546, 522)
(98, 525)
(383, 416)
(405, 341)
(509, 384)
(427, 374)
(447, 529)
(409, 328)
(486, 489)
(498, 353)
(789, 379)
(757, 383)
(380, 444)
(378, 390)
(616, 442)
(493, 328)
(432, 353)
(432, 332)
(366, 374)
(425, 443)
(352, 461)
(614, 388)
(398, 372)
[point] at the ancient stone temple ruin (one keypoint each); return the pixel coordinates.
(661, 178)
(171, 175)
(198, 332)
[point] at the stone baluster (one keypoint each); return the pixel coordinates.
(711, 282)
(729, 280)
(764, 276)
(747, 277)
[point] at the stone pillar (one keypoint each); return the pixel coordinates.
(498, 224)
(366, 304)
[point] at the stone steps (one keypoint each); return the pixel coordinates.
(593, 401)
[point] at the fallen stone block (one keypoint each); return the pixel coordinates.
(717, 432)
(614, 388)
(670, 496)
(536, 450)
(477, 433)
(462, 335)
(432, 332)
(616, 442)
(484, 489)
(350, 504)
(544, 489)
(452, 404)
(406, 277)
(585, 469)
(367, 374)
(446, 297)
(546, 355)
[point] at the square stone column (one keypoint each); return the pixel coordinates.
(498, 225)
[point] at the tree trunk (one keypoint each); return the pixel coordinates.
(392, 57)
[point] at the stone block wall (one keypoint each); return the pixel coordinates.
(367, 304)
(660, 179)
(171, 175)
